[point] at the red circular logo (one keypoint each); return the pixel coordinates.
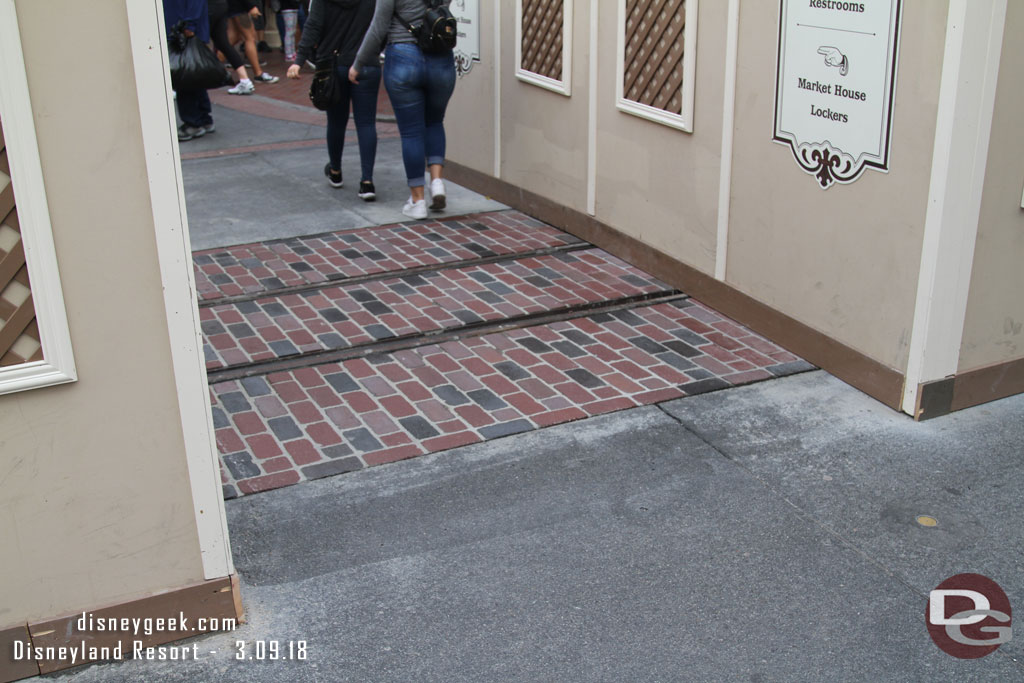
(968, 616)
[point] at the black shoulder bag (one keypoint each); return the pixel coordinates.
(325, 90)
(437, 32)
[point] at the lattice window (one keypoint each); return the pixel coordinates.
(654, 53)
(35, 342)
(542, 38)
(543, 43)
(19, 333)
(656, 59)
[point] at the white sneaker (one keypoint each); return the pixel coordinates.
(416, 210)
(438, 200)
(244, 87)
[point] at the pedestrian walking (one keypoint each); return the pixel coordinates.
(220, 16)
(194, 107)
(419, 85)
(337, 27)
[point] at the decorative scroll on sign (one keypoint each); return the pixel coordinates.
(835, 83)
(467, 49)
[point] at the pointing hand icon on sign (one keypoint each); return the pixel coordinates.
(833, 57)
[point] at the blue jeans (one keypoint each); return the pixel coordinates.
(363, 97)
(419, 86)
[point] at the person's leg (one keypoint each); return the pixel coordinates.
(440, 83)
(189, 107)
(219, 34)
(337, 122)
(205, 110)
(364, 110)
(403, 78)
(291, 17)
(244, 24)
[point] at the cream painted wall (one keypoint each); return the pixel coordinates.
(994, 326)
(844, 261)
(656, 183)
(469, 121)
(95, 504)
(544, 133)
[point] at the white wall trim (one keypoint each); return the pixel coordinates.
(683, 121)
(728, 125)
(593, 57)
(970, 70)
(58, 364)
(152, 80)
(564, 85)
(497, 88)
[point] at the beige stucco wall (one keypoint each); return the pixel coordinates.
(95, 503)
(844, 261)
(469, 121)
(544, 133)
(657, 183)
(994, 325)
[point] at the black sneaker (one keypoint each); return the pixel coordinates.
(262, 46)
(333, 177)
(366, 191)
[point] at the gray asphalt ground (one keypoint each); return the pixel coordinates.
(763, 533)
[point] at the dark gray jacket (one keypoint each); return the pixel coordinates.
(386, 28)
(334, 25)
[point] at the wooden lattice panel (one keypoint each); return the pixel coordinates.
(19, 334)
(653, 73)
(542, 38)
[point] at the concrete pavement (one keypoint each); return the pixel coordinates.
(759, 533)
(764, 533)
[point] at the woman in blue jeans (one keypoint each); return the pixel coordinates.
(419, 86)
(337, 27)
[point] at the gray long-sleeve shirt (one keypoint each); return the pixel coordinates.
(385, 27)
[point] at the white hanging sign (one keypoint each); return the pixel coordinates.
(835, 83)
(467, 48)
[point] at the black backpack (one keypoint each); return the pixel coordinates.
(438, 30)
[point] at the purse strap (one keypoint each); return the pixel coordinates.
(431, 4)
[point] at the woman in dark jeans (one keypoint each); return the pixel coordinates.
(419, 86)
(338, 26)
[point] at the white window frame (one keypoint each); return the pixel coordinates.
(563, 86)
(684, 121)
(58, 364)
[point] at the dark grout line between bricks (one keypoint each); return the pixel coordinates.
(391, 274)
(469, 330)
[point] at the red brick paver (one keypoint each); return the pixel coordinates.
(440, 396)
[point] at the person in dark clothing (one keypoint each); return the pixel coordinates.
(193, 105)
(338, 27)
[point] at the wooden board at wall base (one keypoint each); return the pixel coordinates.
(210, 599)
(11, 669)
(879, 381)
(970, 388)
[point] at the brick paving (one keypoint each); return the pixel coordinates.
(264, 266)
(342, 316)
(279, 429)
(499, 373)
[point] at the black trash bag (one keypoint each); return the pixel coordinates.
(193, 66)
